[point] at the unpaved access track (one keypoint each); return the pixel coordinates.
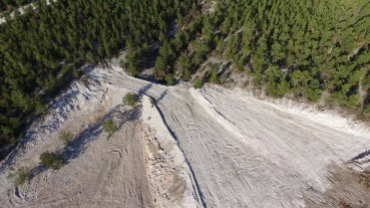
(212, 147)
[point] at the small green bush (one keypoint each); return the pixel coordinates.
(41, 108)
(51, 160)
(110, 127)
(66, 137)
(198, 84)
(130, 99)
(169, 79)
(130, 66)
(152, 102)
(20, 176)
(214, 76)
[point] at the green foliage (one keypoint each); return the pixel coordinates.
(152, 101)
(130, 66)
(183, 65)
(40, 108)
(198, 84)
(214, 76)
(51, 160)
(169, 79)
(298, 46)
(40, 51)
(20, 176)
(130, 99)
(276, 82)
(160, 67)
(353, 101)
(66, 137)
(289, 46)
(110, 127)
(314, 92)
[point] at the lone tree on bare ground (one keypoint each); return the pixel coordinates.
(20, 176)
(130, 99)
(51, 160)
(110, 127)
(66, 137)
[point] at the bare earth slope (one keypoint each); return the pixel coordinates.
(246, 152)
(109, 175)
(138, 166)
(215, 148)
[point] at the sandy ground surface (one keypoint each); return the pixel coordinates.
(110, 174)
(138, 166)
(212, 147)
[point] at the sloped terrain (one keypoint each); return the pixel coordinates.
(212, 147)
(138, 166)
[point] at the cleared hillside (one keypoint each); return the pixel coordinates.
(228, 149)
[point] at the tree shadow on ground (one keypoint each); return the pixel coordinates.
(81, 141)
(174, 136)
(164, 93)
(61, 102)
(361, 155)
(143, 90)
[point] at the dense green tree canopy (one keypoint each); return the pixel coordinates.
(302, 47)
(40, 50)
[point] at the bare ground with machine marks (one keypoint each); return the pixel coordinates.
(212, 147)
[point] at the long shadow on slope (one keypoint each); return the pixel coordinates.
(196, 185)
(81, 141)
(361, 156)
(60, 102)
(161, 97)
(79, 145)
(144, 89)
